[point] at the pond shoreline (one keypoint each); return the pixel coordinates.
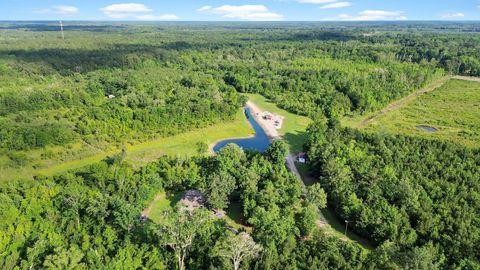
(267, 126)
(256, 113)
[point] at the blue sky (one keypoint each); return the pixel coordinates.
(240, 10)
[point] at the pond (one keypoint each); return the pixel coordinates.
(427, 128)
(259, 142)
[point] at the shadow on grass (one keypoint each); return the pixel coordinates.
(339, 228)
(174, 198)
(296, 140)
(235, 213)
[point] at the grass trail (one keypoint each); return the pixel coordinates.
(361, 121)
(453, 110)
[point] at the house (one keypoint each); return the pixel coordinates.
(302, 157)
(193, 199)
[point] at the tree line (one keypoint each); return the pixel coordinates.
(402, 191)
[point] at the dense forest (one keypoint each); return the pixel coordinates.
(407, 191)
(63, 85)
(416, 201)
(90, 219)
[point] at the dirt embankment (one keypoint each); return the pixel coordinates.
(267, 125)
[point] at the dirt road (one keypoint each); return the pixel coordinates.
(467, 78)
(272, 133)
(290, 162)
(402, 102)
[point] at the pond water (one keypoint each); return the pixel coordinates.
(259, 142)
(427, 128)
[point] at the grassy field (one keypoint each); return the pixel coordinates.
(453, 109)
(162, 203)
(294, 126)
(184, 144)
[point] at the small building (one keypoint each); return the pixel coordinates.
(302, 157)
(193, 199)
(111, 96)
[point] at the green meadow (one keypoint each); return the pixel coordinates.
(453, 109)
(185, 144)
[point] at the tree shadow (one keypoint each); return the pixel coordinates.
(296, 140)
(69, 61)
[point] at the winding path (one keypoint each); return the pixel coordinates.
(272, 133)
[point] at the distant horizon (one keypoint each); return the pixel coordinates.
(246, 22)
(240, 10)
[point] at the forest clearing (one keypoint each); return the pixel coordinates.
(185, 144)
(294, 126)
(452, 112)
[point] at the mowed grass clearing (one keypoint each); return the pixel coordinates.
(294, 126)
(453, 109)
(184, 144)
(165, 202)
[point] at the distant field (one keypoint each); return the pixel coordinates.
(294, 126)
(184, 144)
(453, 109)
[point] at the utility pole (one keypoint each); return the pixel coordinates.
(61, 29)
(346, 227)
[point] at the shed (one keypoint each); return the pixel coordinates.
(302, 157)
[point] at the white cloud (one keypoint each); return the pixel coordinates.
(60, 10)
(316, 1)
(204, 8)
(453, 15)
(125, 10)
(372, 15)
(243, 12)
(135, 11)
(337, 5)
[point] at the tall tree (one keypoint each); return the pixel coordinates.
(237, 248)
(179, 229)
(220, 186)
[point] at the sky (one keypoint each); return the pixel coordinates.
(240, 10)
